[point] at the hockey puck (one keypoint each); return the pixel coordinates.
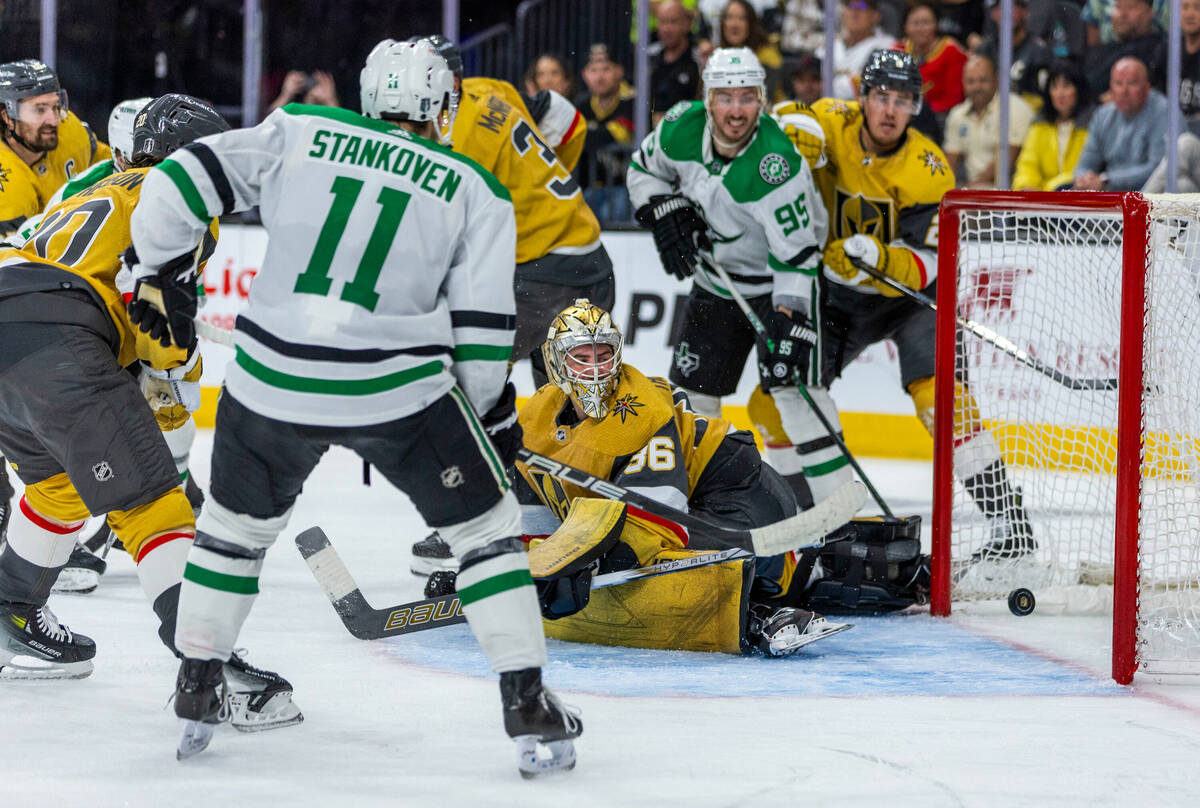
(1021, 602)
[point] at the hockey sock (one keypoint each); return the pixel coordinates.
(703, 404)
(160, 565)
(825, 466)
(37, 550)
(180, 441)
(778, 449)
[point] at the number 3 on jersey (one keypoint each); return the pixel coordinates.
(522, 136)
(315, 279)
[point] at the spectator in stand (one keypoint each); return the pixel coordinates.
(960, 18)
(740, 27)
(858, 37)
(608, 109)
(940, 58)
(305, 88)
(674, 71)
(1188, 145)
(972, 127)
(1030, 53)
(1135, 34)
(1125, 139)
(550, 72)
(806, 78)
(803, 27)
(1055, 141)
(1097, 16)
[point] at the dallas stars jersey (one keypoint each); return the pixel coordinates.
(25, 190)
(86, 235)
(765, 219)
(648, 442)
(494, 128)
(388, 277)
(893, 196)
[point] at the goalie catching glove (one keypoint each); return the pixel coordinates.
(164, 299)
(898, 263)
(798, 122)
(173, 394)
(679, 232)
(793, 337)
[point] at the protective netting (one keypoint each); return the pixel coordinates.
(1050, 281)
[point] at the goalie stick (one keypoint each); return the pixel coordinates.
(366, 622)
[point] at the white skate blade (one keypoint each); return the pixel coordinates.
(788, 642)
(535, 758)
(279, 711)
(40, 669)
(424, 567)
(193, 739)
(75, 581)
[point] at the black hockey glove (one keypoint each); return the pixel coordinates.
(793, 337)
(679, 232)
(164, 299)
(500, 422)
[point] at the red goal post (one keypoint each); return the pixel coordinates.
(1082, 282)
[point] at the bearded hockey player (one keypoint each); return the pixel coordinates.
(76, 426)
(42, 144)
(604, 417)
(882, 182)
(382, 321)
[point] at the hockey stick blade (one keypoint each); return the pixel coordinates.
(806, 529)
(366, 622)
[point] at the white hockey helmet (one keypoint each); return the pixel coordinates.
(120, 125)
(589, 380)
(734, 67)
(406, 81)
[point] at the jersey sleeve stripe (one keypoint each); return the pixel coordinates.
(216, 174)
(335, 387)
(486, 353)
(323, 353)
(574, 125)
(780, 266)
(483, 319)
(187, 189)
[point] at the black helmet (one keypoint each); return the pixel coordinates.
(892, 70)
(447, 50)
(24, 79)
(171, 121)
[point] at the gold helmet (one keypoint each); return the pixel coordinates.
(589, 378)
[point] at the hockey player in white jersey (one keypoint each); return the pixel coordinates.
(718, 180)
(382, 320)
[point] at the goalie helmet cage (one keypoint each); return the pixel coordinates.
(1099, 286)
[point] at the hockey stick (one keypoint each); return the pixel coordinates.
(988, 335)
(764, 339)
(215, 333)
(805, 529)
(366, 622)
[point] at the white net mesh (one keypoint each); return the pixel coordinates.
(1050, 281)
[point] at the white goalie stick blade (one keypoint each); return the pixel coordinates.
(804, 530)
(366, 622)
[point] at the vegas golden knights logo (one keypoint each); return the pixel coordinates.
(550, 491)
(855, 214)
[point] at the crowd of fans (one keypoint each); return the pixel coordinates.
(1085, 110)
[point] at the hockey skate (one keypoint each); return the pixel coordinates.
(431, 554)
(81, 574)
(783, 631)
(202, 701)
(542, 727)
(258, 699)
(27, 631)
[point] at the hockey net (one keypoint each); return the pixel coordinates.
(1103, 288)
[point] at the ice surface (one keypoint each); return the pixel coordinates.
(982, 709)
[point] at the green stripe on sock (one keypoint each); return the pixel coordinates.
(237, 584)
(503, 582)
(828, 467)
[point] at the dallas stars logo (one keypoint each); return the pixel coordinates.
(3, 177)
(626, 405)
(933, 163)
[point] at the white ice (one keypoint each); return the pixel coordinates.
(982, 710)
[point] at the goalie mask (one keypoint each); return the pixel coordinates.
(583, 356)
(729, 68)
(407, 81)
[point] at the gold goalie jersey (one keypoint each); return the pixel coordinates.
(25, 189)
(494, 128)
(893, 196)
(649, 442)
(86, 235)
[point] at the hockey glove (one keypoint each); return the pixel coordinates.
(898, 263)
(164, 299)
(502, 426)
(173, 394)
(798, 122)
(793, 337)
(679, 232)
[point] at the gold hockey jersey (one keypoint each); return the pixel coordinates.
(25, 189)
(494, 128)
(86, 235)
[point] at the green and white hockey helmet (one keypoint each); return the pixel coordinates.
(120, 125)
(734, 67)
(406, 81)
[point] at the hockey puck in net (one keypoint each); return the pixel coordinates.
(1021, 602)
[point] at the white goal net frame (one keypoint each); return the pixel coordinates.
(1102, 441)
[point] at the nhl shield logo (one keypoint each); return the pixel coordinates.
(774, 169)
(102, 471)
(452, 477)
